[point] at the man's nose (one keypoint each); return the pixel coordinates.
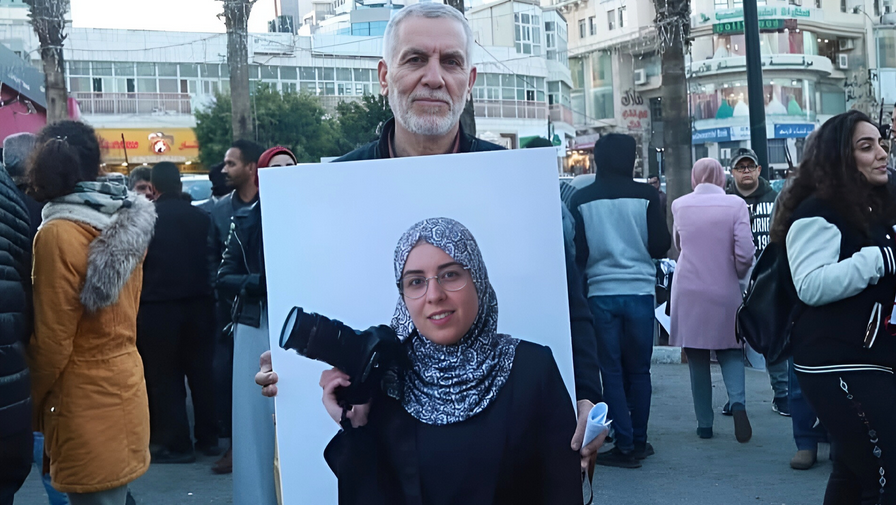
(432, 74)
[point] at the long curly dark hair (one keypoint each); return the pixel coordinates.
(829, 172)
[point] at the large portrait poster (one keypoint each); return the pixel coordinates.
(330, 232)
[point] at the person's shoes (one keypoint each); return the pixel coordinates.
(168, 457)
(615, 457)
(743, 432)
(643, 450)
(804, 459)
(209, 450)
(225, 464)
(704, 432)
(726, 410)
(781, 406)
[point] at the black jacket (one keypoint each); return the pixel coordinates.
(515, 451)
(587, 374)
(180, 262)
(241, 276)
(379, 149)
(760, 203)
(15, 383)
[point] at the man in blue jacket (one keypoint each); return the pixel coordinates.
(620, 229)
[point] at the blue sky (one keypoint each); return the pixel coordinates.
(172, 15)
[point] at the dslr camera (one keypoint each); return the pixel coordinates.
(365, 356)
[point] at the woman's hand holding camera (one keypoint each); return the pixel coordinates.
(330, 381)
(266, 376)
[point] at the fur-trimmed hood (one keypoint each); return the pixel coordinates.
(121, 245)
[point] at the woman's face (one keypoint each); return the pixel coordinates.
(870, 156)
(281, 160)
(441, 316)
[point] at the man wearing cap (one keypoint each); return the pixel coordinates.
(760, 198)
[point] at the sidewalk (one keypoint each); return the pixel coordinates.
(718, 471)
(685, 469)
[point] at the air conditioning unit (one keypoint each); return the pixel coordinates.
(846, 44)
(640, 76)
(725, 153)
(842, 61)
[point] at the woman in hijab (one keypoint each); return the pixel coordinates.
(475, 417)
(242, 278)
(712, 231)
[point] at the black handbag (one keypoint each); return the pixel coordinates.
(771, 306)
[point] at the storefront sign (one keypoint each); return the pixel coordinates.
(765, 25)
(635, 113)
(740, 133)
(177, 145)
(770, 12)
(20, 76)
(793, 131)
(711, 135)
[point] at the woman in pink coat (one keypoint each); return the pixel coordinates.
(712, 231)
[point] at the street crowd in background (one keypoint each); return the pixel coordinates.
(116, 295)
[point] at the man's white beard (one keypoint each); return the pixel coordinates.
(428, 124)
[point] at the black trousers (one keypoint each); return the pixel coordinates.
(859, 411)
(176, 339)
(16, 454)
(223, 369)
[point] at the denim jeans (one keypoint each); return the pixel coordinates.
(624, 328)
(56, 498)
(732, 363)
(778, 378)
(806, 434)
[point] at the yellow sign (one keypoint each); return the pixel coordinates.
(177, 145)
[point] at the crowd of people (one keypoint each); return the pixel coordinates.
(117, 295)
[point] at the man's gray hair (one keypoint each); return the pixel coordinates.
(16, 149)
(429, 10)
(139, 174)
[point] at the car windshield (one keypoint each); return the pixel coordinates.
(199, 189)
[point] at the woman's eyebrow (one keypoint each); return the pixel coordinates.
(446, 265)
(869, 139)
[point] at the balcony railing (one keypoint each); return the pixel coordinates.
(561, 114)
(133, 103)
(511, 109)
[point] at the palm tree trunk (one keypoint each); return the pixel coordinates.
(236, 18)
(48, 21)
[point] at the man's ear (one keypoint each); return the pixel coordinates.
(381, 70)
(472, 81)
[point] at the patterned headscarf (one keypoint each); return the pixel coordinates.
(446, 384)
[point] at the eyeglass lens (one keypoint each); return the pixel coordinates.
(452, 279)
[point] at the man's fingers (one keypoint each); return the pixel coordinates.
(269, 391)
(264, 362)
(578, 437)
(594, 446)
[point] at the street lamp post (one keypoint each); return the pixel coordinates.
(755, 93)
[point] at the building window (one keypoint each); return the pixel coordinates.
(611, 19)
(623, 17)
(721, 4)
(592, 25)
(776, 148)
(656, 109)
(842, 5)
(582, 29)
(876, 8)
(527, 33)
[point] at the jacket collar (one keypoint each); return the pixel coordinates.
(465, 143)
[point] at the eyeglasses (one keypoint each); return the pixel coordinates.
(744, 169)
(452, 279)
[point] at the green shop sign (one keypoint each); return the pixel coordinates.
(767, 12)
(738, 26)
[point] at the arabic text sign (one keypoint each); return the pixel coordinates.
(711, 135)
(177, 145)
(793, 131)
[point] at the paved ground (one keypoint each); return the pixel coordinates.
(685, 469)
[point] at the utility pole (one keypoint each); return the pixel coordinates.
(468, 118)
(755, 91)
(236, 18)
(48, 21)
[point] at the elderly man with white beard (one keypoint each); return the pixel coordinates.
(427, 73)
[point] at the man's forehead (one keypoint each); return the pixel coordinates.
(416, 34)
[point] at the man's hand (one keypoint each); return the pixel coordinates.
(330, 381)
(266, 376)
(589, 452)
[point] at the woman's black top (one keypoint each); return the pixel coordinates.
(841, 272)
(516, 451)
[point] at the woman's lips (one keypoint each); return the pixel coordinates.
(441, 318)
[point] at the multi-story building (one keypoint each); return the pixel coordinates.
(818, 60)
(140, 88)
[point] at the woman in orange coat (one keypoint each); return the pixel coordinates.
(88, 388)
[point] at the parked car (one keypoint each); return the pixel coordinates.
(197, 186)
